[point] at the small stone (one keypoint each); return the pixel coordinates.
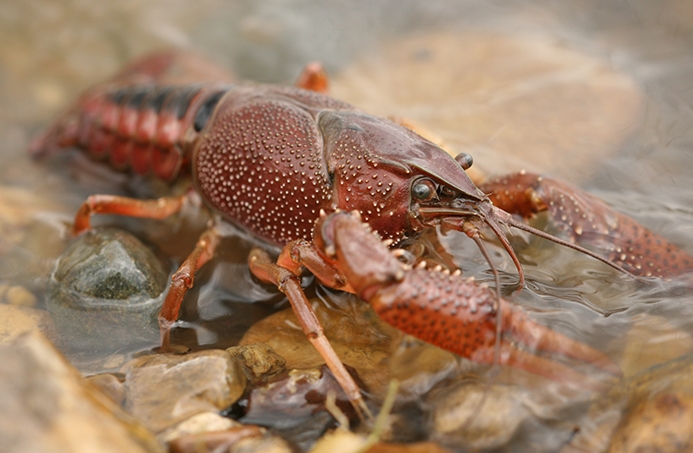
(418, 447)
(375, 350)
(198, 424)
(259, 358)
(659, 424)
(17, 295)
(165, 389)
(650, 412)
(293, 398)
(348, 442)
(339, 440)
(475, 415)
(641, 353)
(265, 444)
(106, 292)
(220, 440)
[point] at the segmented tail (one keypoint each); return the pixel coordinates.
(144, 128)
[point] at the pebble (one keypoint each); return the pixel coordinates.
(259, 359)
(476, 416)
(374, 349)
(165, 389)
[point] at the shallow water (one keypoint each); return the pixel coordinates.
(50, 52)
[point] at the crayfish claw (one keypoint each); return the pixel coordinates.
(456, 314)
(611, 237)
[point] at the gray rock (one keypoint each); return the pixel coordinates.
(106, 291)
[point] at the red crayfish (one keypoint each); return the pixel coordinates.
(276, 159)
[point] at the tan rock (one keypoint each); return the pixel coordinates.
(46, 406)
(15, 321)
(377, 351)
(165, 389)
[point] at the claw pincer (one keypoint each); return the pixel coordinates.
(444, 309)
(587, 220)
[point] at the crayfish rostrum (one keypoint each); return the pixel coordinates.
(276, 160)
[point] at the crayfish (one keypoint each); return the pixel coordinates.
(275, 160)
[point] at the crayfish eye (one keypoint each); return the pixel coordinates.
(465, 160)
(423, 190)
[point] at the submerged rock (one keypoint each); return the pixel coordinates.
(375, 350)
(259, 359)
(106, 291)
(650, 412)
(475, 415)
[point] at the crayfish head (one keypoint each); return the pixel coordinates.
(388, 172)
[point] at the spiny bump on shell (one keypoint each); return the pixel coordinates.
(330, 251)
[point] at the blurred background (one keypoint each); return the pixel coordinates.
(598, 92)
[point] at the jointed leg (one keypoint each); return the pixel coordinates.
(183, 279)
(313, 78)
(159, 208)
(263, 268)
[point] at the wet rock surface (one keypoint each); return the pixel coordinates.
(504, 99)
(651, 411)
(474, 415)
(294, 403)
(47, 406)
(106, 291)
(165, 389)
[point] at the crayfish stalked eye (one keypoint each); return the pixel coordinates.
(423, 190)
(465, 160)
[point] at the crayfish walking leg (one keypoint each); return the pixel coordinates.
(289, 283)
